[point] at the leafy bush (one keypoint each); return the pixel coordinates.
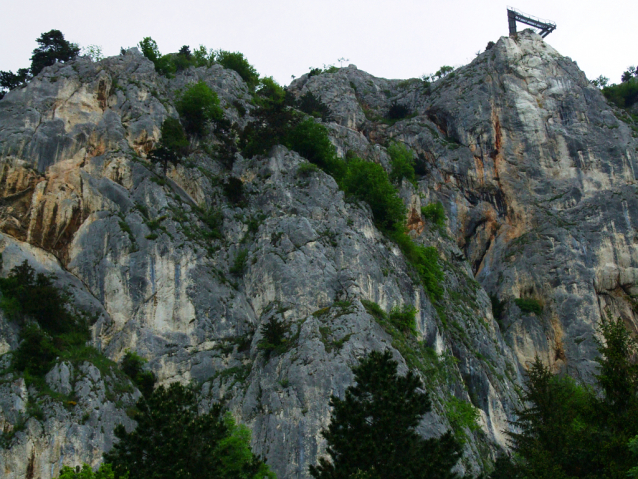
(239, 265)
(274, 336)
(172, 146)
(307, 169)
(310, 140)
(236, 61)
(369, 182)
(462, 415)
(402, 160)
(104, 472)
(424, 259)
(311, 105)
(50, 329)
(26, 295)
(444, 71)
(374, 309)
(183, 59)
(172, 440)
(404, 318)
(271, 126)
(214, 220)
(435, 213)
(197, 106)
(529, 305)
(269, 91)
(163, 63)
(624, 94)
(133, 366)
(36, 352)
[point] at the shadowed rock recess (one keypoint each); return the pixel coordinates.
(536, 173)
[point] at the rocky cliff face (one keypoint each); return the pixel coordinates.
(533, 167)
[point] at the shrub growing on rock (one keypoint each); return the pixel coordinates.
(274, 336)
(402, 160)
(435, 213)
(172, 146)
(404, 318)
(236, 61)
(133, 366)
(197, 106)
(369, 182)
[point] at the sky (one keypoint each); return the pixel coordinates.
(387, 38)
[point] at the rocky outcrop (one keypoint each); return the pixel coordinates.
(532, 166)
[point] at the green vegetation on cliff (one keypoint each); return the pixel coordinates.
(568, 429)
(372, 432)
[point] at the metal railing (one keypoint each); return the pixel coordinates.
(545, 26)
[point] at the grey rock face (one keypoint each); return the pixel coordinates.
(532, 166)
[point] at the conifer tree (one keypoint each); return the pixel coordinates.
(173, 441)
(373, 429)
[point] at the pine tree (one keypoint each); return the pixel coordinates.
(53, 47)
(171, 441)
(373, 430)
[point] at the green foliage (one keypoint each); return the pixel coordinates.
(197, 106)
(234, 190)
(271, 126)
(424, 259)
(434, 213)
(529, 305)
(52, 47)
(369, 182)
(633, 447)
(568, 430)
(269, 91)
(375, 310)
(372, 432)
(172, 146)
(163, 63)
(239, 265)
(307, 169)
(310, 140)
(172, 440)
(133, 366)
(404, 318)
(402, 161)
(236, 61)
(624, 94)
(462, 415)
(36, 353)
(214, 220)
(104, 472)
(311, 105)
(600, 82)
(444, 71)
(26, 295)
(202, 57)
(274, 334)
(10, 80)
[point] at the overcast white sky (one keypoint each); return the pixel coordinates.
(387, 38)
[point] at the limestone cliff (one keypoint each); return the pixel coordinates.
(533, 167)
